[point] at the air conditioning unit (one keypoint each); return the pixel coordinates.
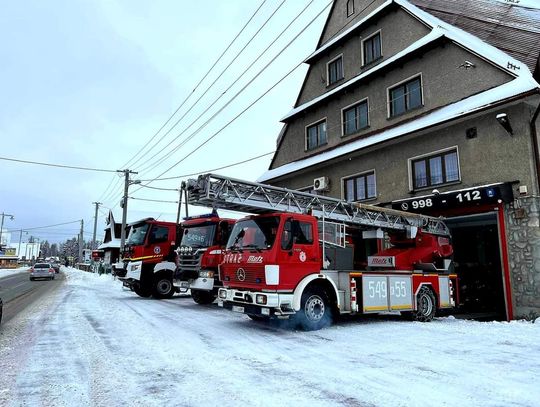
(321, 184)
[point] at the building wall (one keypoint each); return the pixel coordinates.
(394, 40)
(338, 20)
(523, 234)
(443, 83)
(493, 156)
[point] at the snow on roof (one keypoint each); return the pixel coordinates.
(348, 31)
(466, 106)
(113, 244)
(439, 29)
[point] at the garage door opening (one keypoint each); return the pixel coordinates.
(477, 261)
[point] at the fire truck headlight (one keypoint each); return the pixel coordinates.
(206, 274)
(260, 299)
(222, 294)
(135, 267)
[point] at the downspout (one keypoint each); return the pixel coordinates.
(534, 138)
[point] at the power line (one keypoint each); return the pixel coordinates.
(50, 226)
(252, 103)
(193, 91)
(206, 91)
(151, 200)
(56, 165)
(171, 152)
(204, 171)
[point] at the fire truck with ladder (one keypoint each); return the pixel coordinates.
(298, 256)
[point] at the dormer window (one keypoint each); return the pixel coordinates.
(335, 70)
(350, 8)
(371, 48)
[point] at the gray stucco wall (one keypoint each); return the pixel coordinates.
(523, 234)
(493, 156)
(339, 18)
(442, 80)
(398, 31)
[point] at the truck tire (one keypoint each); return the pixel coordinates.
(163, 287)
(142, 291)
(203, 297)
(315, 312)
(426, 305)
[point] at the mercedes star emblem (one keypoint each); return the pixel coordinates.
(241, 274)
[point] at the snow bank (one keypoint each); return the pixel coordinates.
(9, 272)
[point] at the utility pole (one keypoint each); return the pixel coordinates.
(20, 240)
(182, 189)
(81, 241)
(2, 224)
(95, 225)
(123, 204)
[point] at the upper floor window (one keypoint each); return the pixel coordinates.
(405, 96)
(360, 187)
(335, 70)
(355, 117)
(316, 135)
(435, 169)
(350, 8)
(372, 48)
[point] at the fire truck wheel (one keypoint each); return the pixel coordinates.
(203, 297)
(426, 305)
(142, 291)
(316, 312)
(163, 287)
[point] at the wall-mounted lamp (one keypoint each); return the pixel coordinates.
(503, 120)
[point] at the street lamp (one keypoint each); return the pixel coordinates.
(123, 205)
(2, 224)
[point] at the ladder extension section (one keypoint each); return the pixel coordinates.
(216, 191)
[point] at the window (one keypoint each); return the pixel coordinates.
(296, 232)
(350, 8)
(372, 48)
(405, 96)
(335, 70)
(159, 234)
(316, 135)
(355, 118)
(435, 169)
(360, 187)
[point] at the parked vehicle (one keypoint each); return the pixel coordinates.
(299, 257)
(198, 256)
(42, 270)
(56, 267)
(149, 242)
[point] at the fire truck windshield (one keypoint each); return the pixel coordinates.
(137, 234)
(198, 236)
(255, 233)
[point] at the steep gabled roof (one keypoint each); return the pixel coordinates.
(523, 84)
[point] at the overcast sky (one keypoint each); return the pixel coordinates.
(88, 83)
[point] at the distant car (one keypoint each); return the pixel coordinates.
(56, 267)
(42, 270)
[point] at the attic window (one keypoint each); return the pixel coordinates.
(350, 8)
(335, 70)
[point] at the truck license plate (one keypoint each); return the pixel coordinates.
(237, 309)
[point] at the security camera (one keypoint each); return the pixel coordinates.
(435, 192)
(504, 121)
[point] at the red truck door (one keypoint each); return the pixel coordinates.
(159, 241)
(298, 252)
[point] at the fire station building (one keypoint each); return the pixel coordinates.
(431, 106)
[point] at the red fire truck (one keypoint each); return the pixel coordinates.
(301, 256)
(149, 242)
(198, 256)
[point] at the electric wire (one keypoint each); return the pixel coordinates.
(207, 90)
(73, 167)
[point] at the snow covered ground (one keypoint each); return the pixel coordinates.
(9, 272)
(94, 343)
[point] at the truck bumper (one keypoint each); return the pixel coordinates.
(200, 283)
(277, 305)
(133, 274)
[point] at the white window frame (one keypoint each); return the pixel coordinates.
(359, 174)
(323, 119)
(410, 78)
(328, 69)
(366, 99)
(373, 34)
(432, 153)
(347, 8)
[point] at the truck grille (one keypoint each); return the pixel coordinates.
(250, 274)
(191, 261)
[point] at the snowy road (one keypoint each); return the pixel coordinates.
(93, 343)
